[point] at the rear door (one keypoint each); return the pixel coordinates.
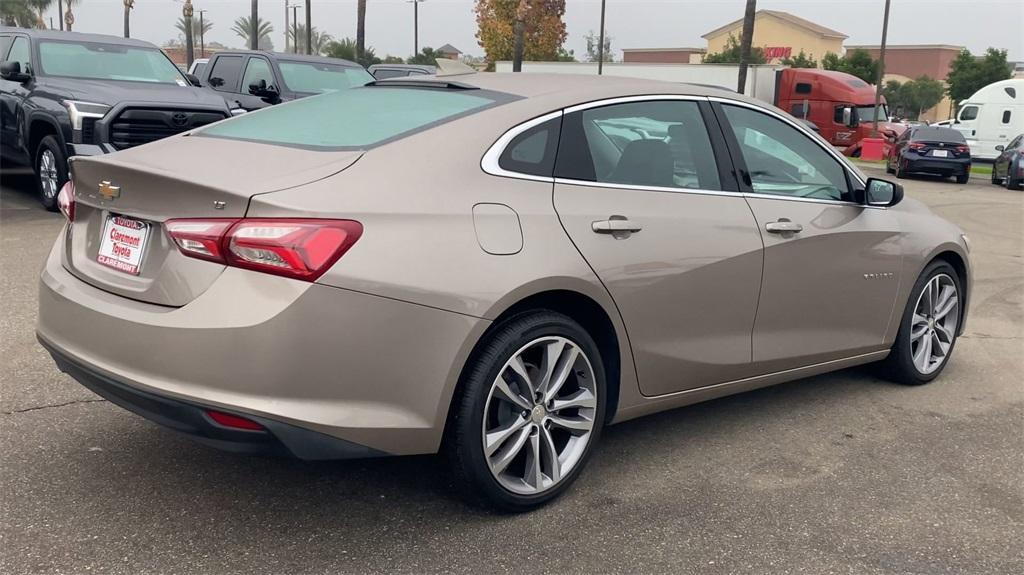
(226, 76)
(831, 264)
(12, 94)
(643, 191)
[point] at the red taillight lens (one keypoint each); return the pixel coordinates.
(66, 200)
(916, 146)
(233, 421)
(963, 149)
(297, 248)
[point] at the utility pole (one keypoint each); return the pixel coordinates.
(415, 26)
(881, 70)
(128, 5)
(746, 40)
(202, 36)
(295, 28)
(600, 43)
(519, 31)
(186, 11)
(285, 26)
(309, 27)
(254, 26)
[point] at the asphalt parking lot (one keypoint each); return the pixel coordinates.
(841, 473)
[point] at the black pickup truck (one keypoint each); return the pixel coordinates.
(253, 79)
(64, 94)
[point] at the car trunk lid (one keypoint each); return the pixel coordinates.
(123, 200)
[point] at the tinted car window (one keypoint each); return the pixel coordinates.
(257, 69)
(385, 74)
(533, 151)
(225, 73)
(356, 118)
(20, 53)
(929, 134)
(200, 66)
(782, 160)
(1006, 116)
(314, 77)
(656, 144)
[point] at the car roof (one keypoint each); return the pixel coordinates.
(75, 36)
(289, 57)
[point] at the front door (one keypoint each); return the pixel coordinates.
(640, 193)
(257, 69)
(11, 96)
(831, 264)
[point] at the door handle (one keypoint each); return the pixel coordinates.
(616, 225)
(783, 226)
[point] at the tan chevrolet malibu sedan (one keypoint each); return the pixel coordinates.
(491, 266)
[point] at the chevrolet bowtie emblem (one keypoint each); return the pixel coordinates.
(108, 191)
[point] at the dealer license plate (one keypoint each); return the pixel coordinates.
(940, 153)
(123, 244)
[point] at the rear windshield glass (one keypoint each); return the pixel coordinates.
(315, 77)
(356, 118)
(939, 135)
(107, 62)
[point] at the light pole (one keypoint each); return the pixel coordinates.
(254, 26)
(309, 27)
(202, 36)
(128, 5)
(60, 13)
(881, 70)
(600, 44)
(295, 27)
(415, 26)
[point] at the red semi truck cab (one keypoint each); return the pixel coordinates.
(839, 104)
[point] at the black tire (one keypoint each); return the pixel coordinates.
(899, 366)
(1011, 182)
(50, 145)
(464, 434)
(900, 174)
(963, 179)
(888, 166)
(995, 180)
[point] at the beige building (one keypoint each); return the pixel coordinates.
(780, 35)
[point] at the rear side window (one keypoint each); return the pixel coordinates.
(385, 74)
(354, 119)
(1006, 116)
(533, 151)
(969, 113)
(652, 144)
(802, 88)
(225, 73)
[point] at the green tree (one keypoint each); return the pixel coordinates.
(22, 13)
(389, 59)
(543, 35)
(427, 56)
(801, 60)
(243, 30)
(968, 74)
(320, 39)
(730, 54)
(566, 55)
(857, 62)
(911, 98)
(347, 49)
(593, 39)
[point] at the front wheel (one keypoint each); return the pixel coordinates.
(51, 168)
(1011, 182)
(530, 412)
(928, 329)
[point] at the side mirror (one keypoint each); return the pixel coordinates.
(262, 90)
(192, 79)
(882, 193)
(1000, 148)
(11, 71)
(847, 115)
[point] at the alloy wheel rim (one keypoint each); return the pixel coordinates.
(934, 323)
(48, 173)
(539, 415)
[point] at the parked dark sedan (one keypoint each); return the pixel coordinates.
(930, 150)
(1008, 168)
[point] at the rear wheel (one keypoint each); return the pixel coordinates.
(51, 168)
(900, 172)
(963, 179)
(531, 410)
(928, 329)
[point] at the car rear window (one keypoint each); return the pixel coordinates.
(356, 119)
(938, 135)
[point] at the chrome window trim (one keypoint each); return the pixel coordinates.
(698, 191)
(489, 163)
(631, 99)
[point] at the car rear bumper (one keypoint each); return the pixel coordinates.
(374, 372)
(947, 167)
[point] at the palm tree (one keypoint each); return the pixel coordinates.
(243, 29)
(17, 13)
(197, 30)
(360, 29)
(128, 5)
(320, 39)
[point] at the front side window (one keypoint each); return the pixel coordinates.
(864, 113)
(225, 73)
(782, 160)
(353, 119)
(533, 151)
(969, 113)
(5, 43)
(316, 78)
(257, 69)
(1006, 116)
(100, 61)
(653, 143)
(20, 54)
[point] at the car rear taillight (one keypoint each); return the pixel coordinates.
(233, 421)
(66, 200)
(963, 149)
(297, 248)
(917, 146)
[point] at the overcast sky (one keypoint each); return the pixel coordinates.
(631, 23)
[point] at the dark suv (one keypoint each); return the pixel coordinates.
(255, 79)
(64, 94)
